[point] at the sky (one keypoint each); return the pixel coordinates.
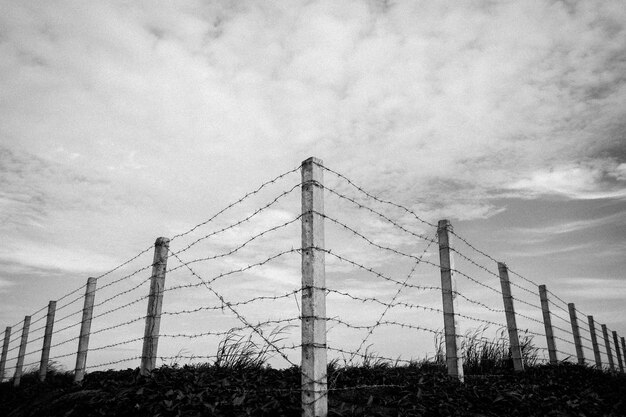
(122, 121)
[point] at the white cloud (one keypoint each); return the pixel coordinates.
(124, 121)
(580, 181)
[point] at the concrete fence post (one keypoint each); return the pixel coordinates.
(624, 350)
(607, 345)
(155, 302)
(5, 351)
(618, 352)
(22, 352)
(314, 361)
(85, 329)
(454, 360)
(47, 341)
(594, 342)
(511, 324)
(580, 355)
(547, 324)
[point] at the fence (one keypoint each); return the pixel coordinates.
(366, 271)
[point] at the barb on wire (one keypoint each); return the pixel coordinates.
(231, 272)
(369, 333)
(119, 294)
(239, 222)
(476, 264)
(237, 303)
(381, 215)
(234, 250)
(558, 298)
(379, 323)
(519, 300)
(234, 311)
(374, 272)
(251, 193)
(513, 283)
(221, 333)
(115, 362)
(407, 210)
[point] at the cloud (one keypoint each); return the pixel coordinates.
(572, 226)
(124, 121)
(591, 180)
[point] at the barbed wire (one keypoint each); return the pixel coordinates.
(231, 272)
(221, 333)
(232, 309)
(395, 296)
(236, 249)
(484, 268)
(374, 272)
(239, 222)
(407, 210)
(379, 214)
(115, 362)
(251, 193)
(237, 303)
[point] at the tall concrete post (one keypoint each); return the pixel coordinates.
(618, 353)
(47, 341)
(314, 360)
(509, 311)
(576, 334)
(547, 324)
(594, 342)
(155, 302)
(85, 329)
(607, 345)
(22, 352)
(454, 360)
(5, 351)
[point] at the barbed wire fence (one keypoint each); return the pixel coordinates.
(308, 269)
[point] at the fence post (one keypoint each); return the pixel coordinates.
(509, 310)
(617, 351)
(594, 342)
(314, 378)
(155, 301)
(624, 349)
(85, 328)
(47, 341)
(576, 333)
(5, 351)
(607, 345)
(547, 324)
(20, 356)
(454, 358)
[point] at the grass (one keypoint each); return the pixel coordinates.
(240, 383)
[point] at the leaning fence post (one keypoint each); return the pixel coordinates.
(20, 356)
(618, 353)
(509, 310)
(624, 349)
(85, 328)
(594, 342)
(607, 345)
(5, 351)
(576, 333)
(454, 360)
(155, 301)
(547, 324)
(314, 378)
(47, 341)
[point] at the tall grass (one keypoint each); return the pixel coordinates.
(482, 355)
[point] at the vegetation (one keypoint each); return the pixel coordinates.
(239, 383)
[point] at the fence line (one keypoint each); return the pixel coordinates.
(388, 257)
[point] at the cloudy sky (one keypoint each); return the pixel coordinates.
(121, 121)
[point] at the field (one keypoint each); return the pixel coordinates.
(246, 389)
